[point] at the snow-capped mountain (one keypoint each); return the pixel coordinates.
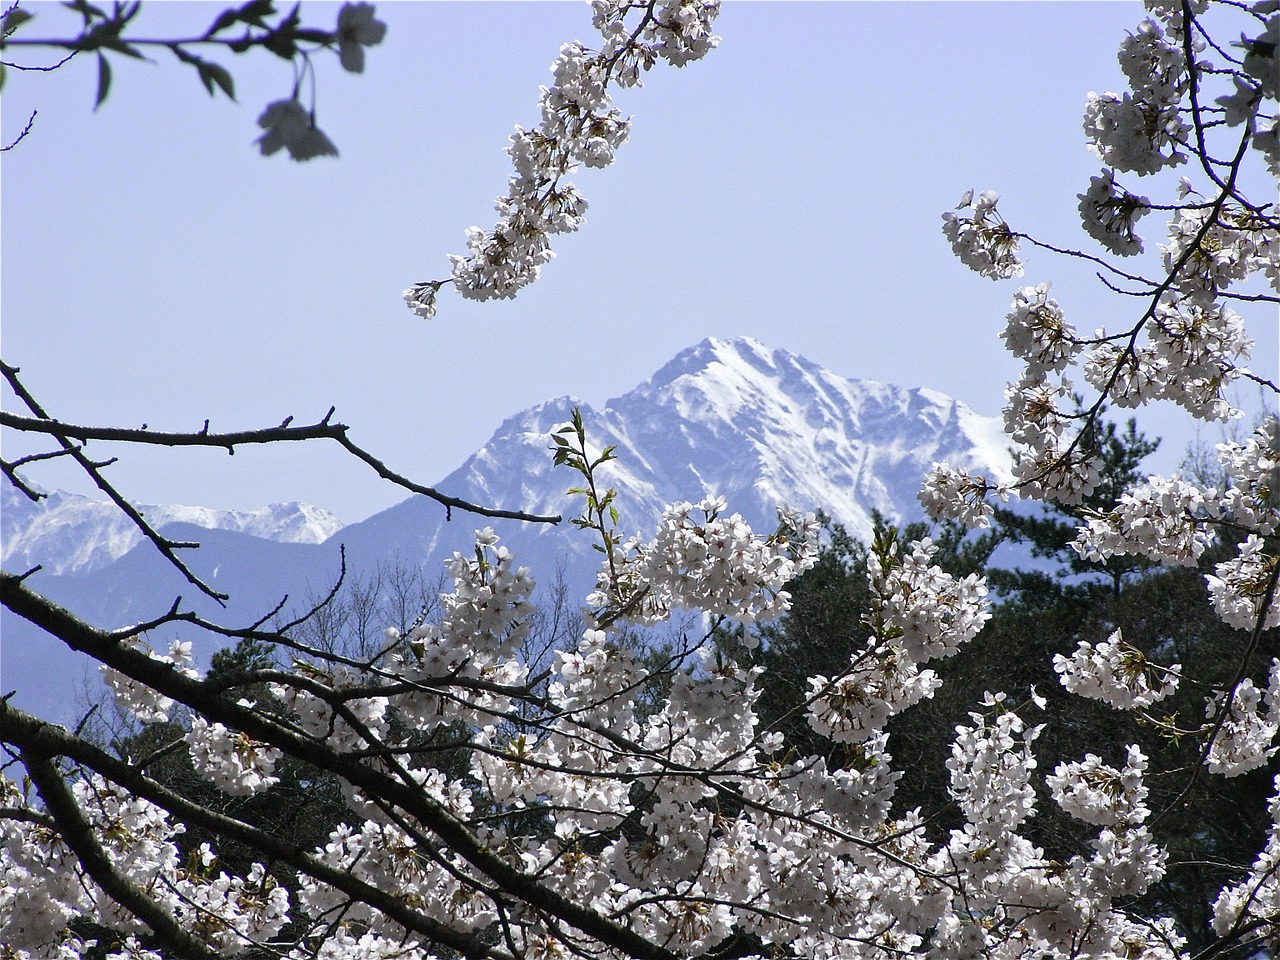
(69, 533)
(758, 426)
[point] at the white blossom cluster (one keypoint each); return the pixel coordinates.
(1135, 135)
(43, 886)
(338, 717)
(1038, 413)
(991, 765)
(483, 621)
(981, 239)
(1037, 332)
(1047, 464)
(1209, 251)
(931, 612)
(1256, 83)
(1192, 357)
(700, 559)
(1099, 794)
(1164, 519)
(345, 945)
(138, 699)
(1199, 350)
(925, 614)
(952, 493)
(385, 856)
(1171, 520)
(579, 127)
(1254, 903)
(1065, 908)
(1116, 673)
(1245, 731)
(1253, 472)
(230, 912)
(1142, 132)
(130, 949)
(855, 706)
(1243, 589)
(231, 761)
(1110, 215)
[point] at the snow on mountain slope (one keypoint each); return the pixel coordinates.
(758, 426)
(68, 533)
(763, 426)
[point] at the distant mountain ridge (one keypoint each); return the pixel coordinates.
(70, 533)
(756, 425)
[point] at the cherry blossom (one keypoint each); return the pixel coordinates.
(1116, 673)
(981, 239)
(608, 802)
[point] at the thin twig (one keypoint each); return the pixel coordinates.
(25, 130)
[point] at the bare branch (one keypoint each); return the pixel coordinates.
(25, 130)
(285, 432)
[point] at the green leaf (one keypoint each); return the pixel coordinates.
(280, 42)
(225, 19)
(104, 80)
(256, 12)
(87, 9)
(222, 77)
(212, 74)
(14, 19)
(112, 42)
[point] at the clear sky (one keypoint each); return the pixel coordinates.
(788, 187)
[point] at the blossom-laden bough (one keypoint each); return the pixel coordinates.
(611, 805)
(1210, 107)
(580, 127)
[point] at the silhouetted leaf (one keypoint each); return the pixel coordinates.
(104, 80)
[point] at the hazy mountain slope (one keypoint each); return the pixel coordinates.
(68, 533)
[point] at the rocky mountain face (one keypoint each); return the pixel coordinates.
(759, 426)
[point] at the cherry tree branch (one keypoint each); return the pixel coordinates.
(285, 432)
(107, 648)
(29, 733)
(163, 544)
(78, 834)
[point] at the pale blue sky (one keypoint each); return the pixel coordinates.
(789, 187)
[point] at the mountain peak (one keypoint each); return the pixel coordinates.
(714, 356)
